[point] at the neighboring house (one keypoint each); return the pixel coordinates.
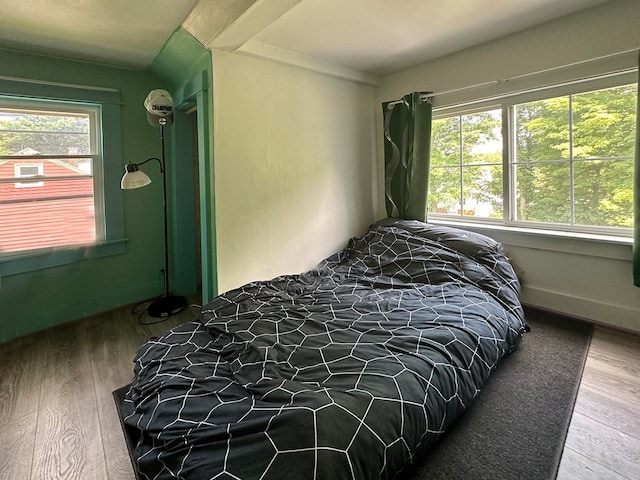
(42, 204)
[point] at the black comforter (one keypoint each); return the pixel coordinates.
(350, 370)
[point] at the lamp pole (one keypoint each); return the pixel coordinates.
(164, 205)
(159, 107)
(167, 304)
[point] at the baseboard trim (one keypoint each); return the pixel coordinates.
(42, 319)
(601, 313)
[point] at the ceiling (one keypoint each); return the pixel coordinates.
(382, 36)
(127, 33)
(375, 37)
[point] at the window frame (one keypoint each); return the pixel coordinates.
(507, 103)
(17, 173)
(109, 210)
(93, 112)
(461, 165)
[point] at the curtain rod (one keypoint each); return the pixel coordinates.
(530, 90)
(525, 75)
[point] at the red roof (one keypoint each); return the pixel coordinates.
(52, 213)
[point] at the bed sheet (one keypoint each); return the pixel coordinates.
(350, 370)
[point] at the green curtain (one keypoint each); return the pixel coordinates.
(636, 196)
(407, 151)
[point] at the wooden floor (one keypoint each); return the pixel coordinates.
(603, 442)
(58, 419)
(57, 414)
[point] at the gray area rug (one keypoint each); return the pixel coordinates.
(517, 426)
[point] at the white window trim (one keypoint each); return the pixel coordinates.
(602, 246)
(616, 235)
(582, 84)
(92, 110)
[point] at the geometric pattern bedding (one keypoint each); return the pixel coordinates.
(350, 370)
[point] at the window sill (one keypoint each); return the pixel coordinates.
(56, 257)
(603, 246)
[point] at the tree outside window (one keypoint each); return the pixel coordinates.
(572, 161)
(466, 165)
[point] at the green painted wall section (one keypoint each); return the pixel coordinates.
(181, 58)
(34, 301)
(185, 64)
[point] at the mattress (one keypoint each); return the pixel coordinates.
(350, 370)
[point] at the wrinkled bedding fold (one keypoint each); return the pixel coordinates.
(350, 370)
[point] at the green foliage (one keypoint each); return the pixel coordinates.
(467, 155)
(46, 134)
(602, 132)
(575, 148)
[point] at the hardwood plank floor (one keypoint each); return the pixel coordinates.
(57, 415)
(17, 440)
(68, 443)
(107, 344)
(20, 375)
(58, 419)
(575, 465)
(603, 441)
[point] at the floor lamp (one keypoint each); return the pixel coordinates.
(159, 106)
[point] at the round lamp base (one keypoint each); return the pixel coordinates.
(167, 306)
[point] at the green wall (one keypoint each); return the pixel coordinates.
(37, 300)
(181, 58)
(185, 65)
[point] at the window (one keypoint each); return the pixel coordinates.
(57, 144)
(66, 141)
(569, 163)
(466, 165)
(28, 170)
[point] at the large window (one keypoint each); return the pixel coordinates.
(568, 163)
(54, 147)
(60, 167)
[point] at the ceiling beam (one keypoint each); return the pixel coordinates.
(210, 17)
(258, 16)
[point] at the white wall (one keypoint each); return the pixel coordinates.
(294, 155)
(600, 31)
(586, 279)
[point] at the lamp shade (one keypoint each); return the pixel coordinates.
(133, 178)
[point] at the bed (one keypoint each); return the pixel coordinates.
(351, 370)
